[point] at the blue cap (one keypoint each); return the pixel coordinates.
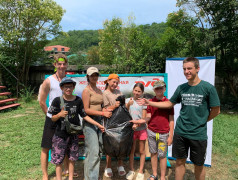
(67, 80)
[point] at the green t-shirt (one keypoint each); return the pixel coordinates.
(195, 108)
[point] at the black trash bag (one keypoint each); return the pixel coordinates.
(118, 136)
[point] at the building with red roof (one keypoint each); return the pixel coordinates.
(57, 49)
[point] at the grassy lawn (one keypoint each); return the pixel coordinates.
(20, 137)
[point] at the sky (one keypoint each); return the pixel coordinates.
(90, 14)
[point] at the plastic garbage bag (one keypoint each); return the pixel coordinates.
(118, 136)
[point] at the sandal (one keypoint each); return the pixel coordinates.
(66, 174)
(121, 171)
(130, 175)
(152, 176)
(107, 172)
(140, 176)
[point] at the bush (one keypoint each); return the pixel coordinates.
(27, 94)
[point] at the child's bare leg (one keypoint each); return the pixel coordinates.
(71, 170)
(66, 164)
(163, 166)
(108, 160)
(121, 172)
(131, 157)
(154, 163)
(109, 165)
(120, 162)
(142, 155)
(59, 172)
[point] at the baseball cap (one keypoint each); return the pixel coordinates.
(159, 83)
(67, 80)
(92, 70)
(112, 76)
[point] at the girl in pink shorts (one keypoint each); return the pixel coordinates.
(137, 112)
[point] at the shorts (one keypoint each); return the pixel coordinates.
(48, 133)
(63, 146)
(181, 146)
(158, 143)
(141, 135)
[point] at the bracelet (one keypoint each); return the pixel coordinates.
(102, 113)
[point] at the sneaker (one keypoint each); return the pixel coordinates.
(140, 176)
(130, 175)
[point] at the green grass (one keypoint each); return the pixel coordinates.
(21, 132)
(225, 128)
(20, 140)
(225, 141)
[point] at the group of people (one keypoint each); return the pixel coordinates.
(153, 120)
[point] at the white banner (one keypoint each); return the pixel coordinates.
(126, 84)
(174, 69)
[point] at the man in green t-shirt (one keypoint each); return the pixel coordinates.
(199, 104)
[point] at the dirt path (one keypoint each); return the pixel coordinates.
(147, 170)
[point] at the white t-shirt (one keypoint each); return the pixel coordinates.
(136, 113)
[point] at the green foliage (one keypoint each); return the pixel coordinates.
(221, 18)
(79, 40)
(8, 80)
(125, 48)
(24, 27)
(78, 59)
(126, 44)
(86, 41)
(27, 94)
(93, 55)
(182, 37)
(154, 31)
(110, 41)
(73, 59)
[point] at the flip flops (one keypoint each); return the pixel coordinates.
(121, 171)
(140, 176)
(66, 174)
(107, 172)
(130, 175)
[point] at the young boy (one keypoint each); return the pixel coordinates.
(62, 142)
(160, 131)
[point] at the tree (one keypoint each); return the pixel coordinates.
(110, 51)
(77, 40)
(221, 18)
(124, 47)
(24, 27)
(182, 37)
(155, 30)
(93, 55)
